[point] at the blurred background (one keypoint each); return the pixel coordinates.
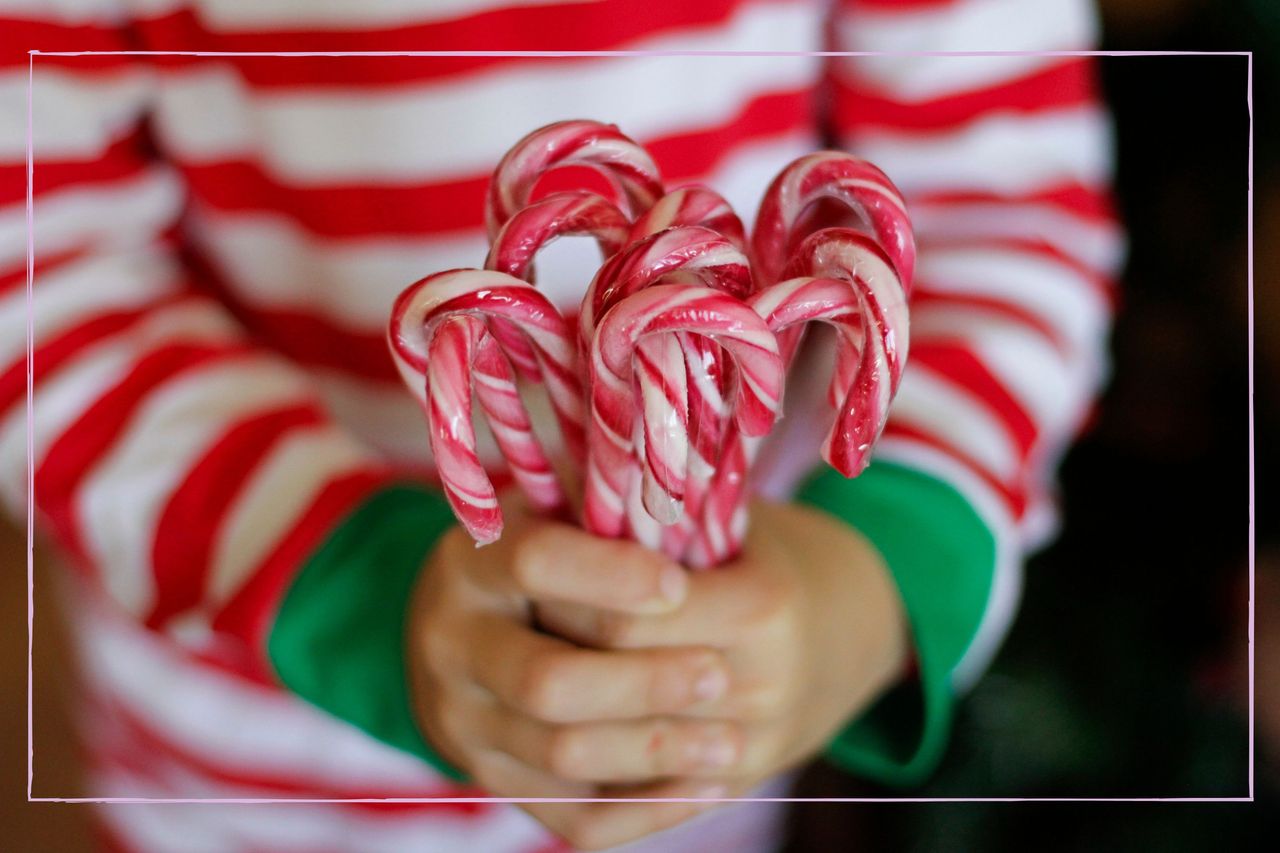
(1126, 672)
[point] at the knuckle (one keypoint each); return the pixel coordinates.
(678, 678)
(567, 755)
(540, 686)
(526, 557)
(670, 682)
(717, 747)
(662, 688)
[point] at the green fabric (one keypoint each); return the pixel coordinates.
(339, 638)
(942, 557)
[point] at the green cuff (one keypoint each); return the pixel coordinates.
(942, 557)
(339, 638)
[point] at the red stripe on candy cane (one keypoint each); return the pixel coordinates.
(439, 335)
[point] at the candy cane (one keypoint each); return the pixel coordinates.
(518, 241)
(625, 165)
(722, 522)
(436, 358)
(687, 253)
(692, 253)
(788, 214)
(859, 186)
(848, 281)
(845, 280)
(692, 205)
(663, 310)
(575, 212)
(706, 369)
(685, 358)
(460, 350)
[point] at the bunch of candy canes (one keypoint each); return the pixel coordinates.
(675, 371)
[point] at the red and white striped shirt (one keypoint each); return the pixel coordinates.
(218, 241)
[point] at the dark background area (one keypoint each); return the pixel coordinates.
(1125, 674)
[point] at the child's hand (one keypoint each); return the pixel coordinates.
(808, 619)
(528, 715)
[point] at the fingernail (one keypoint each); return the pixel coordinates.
(718, 753)
(711, 684)
(672, 584)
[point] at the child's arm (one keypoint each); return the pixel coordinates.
(190, 475)
(1005, 163)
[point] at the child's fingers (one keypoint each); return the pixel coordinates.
(503, 776)
(609, 824)
(628, 751)
(556, 562)
(720, 608)
(593, 825)
(557, 682)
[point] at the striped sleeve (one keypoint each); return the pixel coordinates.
(1005, 163)
(194, 476)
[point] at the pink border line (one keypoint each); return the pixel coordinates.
(550, 54)
(31, 431)
(1249, 304)
(515, 800)
(32, 54)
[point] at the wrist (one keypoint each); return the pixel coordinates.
(860, 633)
(942, 556)
(884, 631)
